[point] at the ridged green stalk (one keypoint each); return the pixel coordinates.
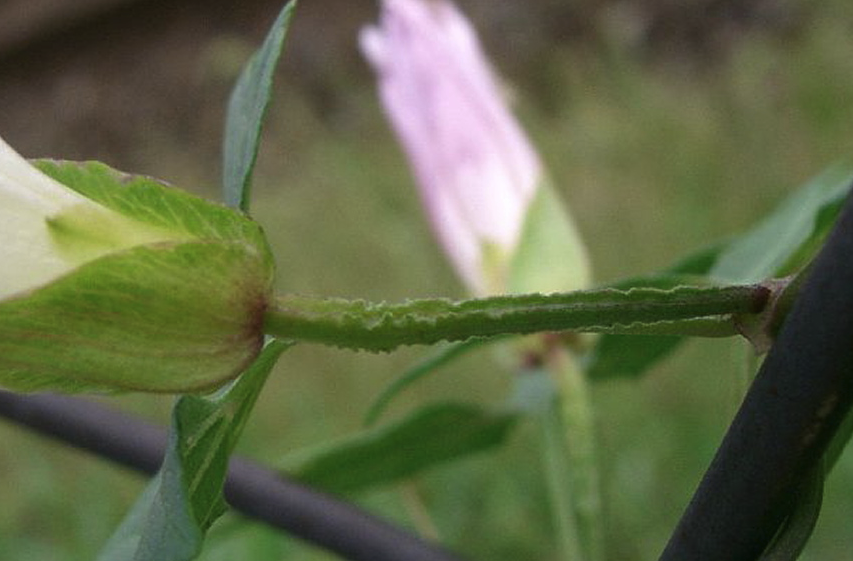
(378, 327)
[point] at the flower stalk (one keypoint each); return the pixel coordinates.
(381, 327)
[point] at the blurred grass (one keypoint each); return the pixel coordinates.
(654, 160)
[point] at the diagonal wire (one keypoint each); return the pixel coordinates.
(790, 414)
(251, 489)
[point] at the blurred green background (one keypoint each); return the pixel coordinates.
(667, 125)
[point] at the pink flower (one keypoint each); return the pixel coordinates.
(475, 168)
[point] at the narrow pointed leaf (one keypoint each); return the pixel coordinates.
(785, 240)
(425, 367)
(435, 434)
(169, 521)
(780, 244)
(246, 111)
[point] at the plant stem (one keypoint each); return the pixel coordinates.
(558, 474)
(579, 436)
(384, 327)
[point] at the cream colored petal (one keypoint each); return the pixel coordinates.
(48, 229)
(28, 257)
(22, 183)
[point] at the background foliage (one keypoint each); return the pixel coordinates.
(659, 149)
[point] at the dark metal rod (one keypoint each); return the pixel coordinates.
(250, 489)
(792, 410)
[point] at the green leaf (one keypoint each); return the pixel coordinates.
(777, 246)
(174, 316)
(630, 355)
(435, 434)
(246, 111)
(429, 365)
(169, 521)
(785, 240)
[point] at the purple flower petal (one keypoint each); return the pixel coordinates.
(475, 168)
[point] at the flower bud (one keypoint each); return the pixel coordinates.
(118, 282)
(478, 174)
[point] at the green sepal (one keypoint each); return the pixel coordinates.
(174, 316)
(550, 255)
(156, 204)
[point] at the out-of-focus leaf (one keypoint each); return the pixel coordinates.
(435, 434)
(246, 111)
(784, 241)
(777, 246)
(169, 520)
(236, 537)
(428, 365)
(630, 355)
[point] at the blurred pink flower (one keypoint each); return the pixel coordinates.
(476, 169)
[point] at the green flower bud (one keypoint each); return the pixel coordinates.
(118, 282)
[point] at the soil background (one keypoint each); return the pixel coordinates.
(110, 79)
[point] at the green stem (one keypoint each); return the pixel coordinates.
(383, 327)
(558, 475)
(579, 436)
